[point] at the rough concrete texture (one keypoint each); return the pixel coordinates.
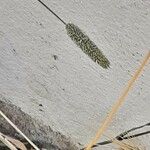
(46, 75)
(43, 136)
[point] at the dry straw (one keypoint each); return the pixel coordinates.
(12, 143)
(83, 41)
(118, 103)
(18, 130)
(7, 142)
(124, 136)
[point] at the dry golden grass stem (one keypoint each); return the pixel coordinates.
(128, 145)
(123, 145)
(118, 103)
(18, 130)
(7, 142)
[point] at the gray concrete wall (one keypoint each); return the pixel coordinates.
(70, 92)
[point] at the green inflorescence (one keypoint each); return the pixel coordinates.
(87, 45)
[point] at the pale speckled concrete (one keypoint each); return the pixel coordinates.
(75, 92)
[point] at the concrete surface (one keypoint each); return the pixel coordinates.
(45, 74)
(43, 136)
